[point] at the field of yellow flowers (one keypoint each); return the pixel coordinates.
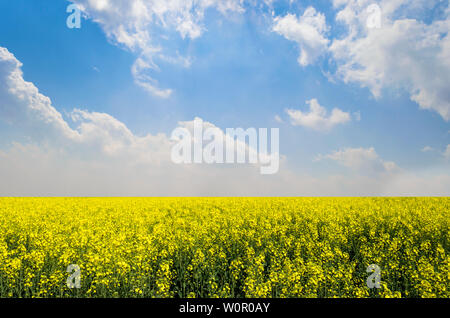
(224, 247)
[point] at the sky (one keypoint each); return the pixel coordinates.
(359, 90)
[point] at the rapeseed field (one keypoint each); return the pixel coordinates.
(224, 247)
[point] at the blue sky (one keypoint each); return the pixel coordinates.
(244, 71)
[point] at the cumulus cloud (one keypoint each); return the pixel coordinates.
(308, 31)
(362, 160)
(24, 107)
(318, 118)
(21, 103)
(403, 52)
(134, 25)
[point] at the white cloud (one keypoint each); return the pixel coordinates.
(404, 53)
(134, 24)
(100, 156)
(24, 107)
(278, 119)
(308, 31)
(427, 149)
(22, 104)
(318, 118)
(141, 69)
(362, 160)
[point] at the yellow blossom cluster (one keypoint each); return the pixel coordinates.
(224, 247)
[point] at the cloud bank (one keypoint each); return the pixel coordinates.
(95, 154)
